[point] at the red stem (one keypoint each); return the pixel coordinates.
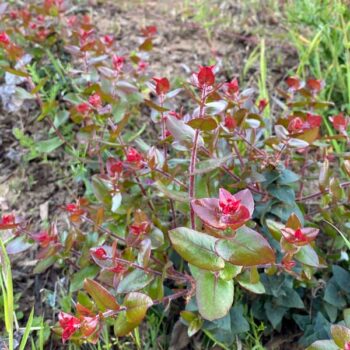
(193, 160)
(192, 176)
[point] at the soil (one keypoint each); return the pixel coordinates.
(39, 188)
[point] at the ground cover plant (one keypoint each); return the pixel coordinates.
(204, 203)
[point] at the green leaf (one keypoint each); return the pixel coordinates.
(102, 297)
(48, 146)
(154, 106)
(194, 326)
(274, 228)
(245, 282)
(214, 295)
(197, 248)
(204, 124)
(208, 165)
(284, 193)
(216, 107)
(307, 256)
(333, 294)
(342, 277)
(284, 210)
(43, 265)
(274, 313)
(122, 327)
(23, 94)
(290, 299)
(137, 305)
(116, 202)
(287, 177)
(246, 248)
(134, 281)
(172, 194)
(323, 345)
(346, 313)
(238, 322)
(340, 335)
(230, 271)
(181, 131)
(78, 278)
(101, 189)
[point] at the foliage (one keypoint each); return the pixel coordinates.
(231, 205)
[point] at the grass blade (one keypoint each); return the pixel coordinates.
(27, 331)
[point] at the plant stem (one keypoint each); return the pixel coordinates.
(320, 193)
(193, 160)
(192, 176)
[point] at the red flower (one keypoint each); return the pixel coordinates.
(340, 122)
(43, 238)
(95, 100)
(42, 34)
(288, 263)
(140, 229)
(89, 325)
(133, 156)
(108, 40)
(71, 207)
(83, 108)
(228, 211)
(142, 65)
(300, 236)
(294, 83)
(118, 62)
(162, 85)
(313, 120)
(230, 122)
(117, 268)
(84, 34)
(99, 253)
(347, 346)
(13, 14)
(114, 167)
(4, 39)
(296, 125)
(71, 20)
(262, 104)
(206, 76)
(8, 219)
(69, 324)
(232, 87)
(149, 31)
(86, 19)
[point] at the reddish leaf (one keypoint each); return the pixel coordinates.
(162, 85)
(206, 76)
(315, 84)
(227, 211)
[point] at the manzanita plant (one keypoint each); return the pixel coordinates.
(214, 183)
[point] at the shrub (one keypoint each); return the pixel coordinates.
(216, 205)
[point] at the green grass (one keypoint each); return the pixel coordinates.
(6, 284)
